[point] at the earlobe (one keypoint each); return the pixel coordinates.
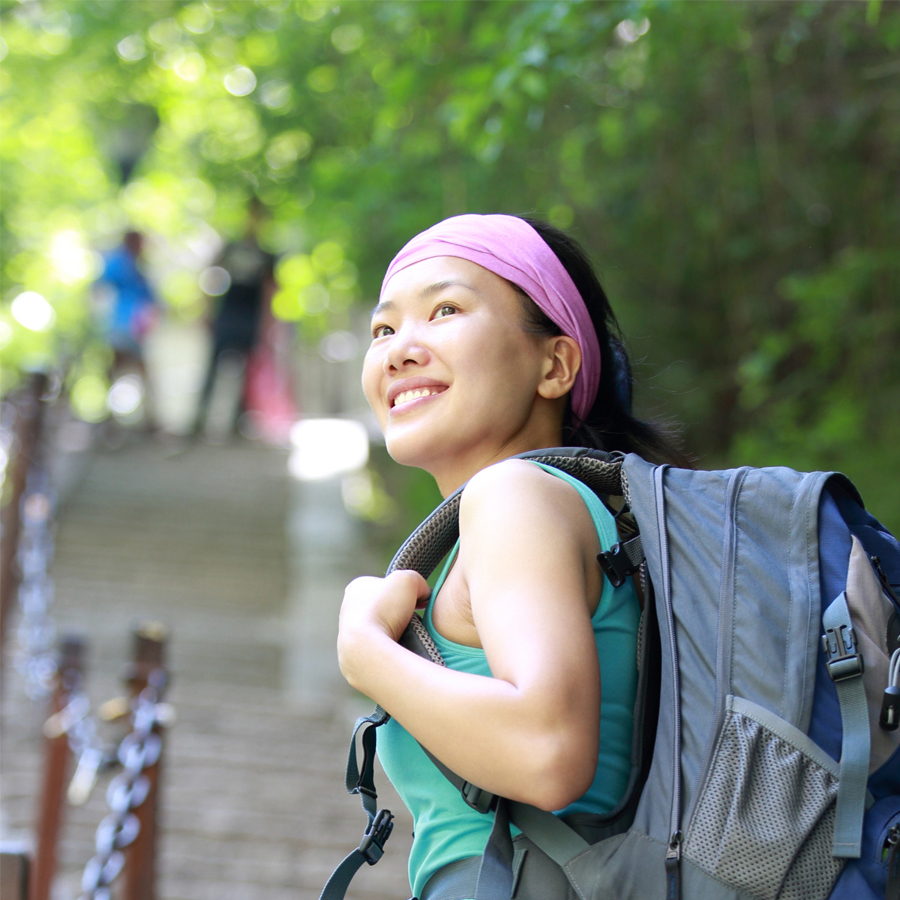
(563, 363)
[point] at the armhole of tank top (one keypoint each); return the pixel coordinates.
(605, 526)
(426, 616)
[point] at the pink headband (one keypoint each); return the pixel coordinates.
(509, 247)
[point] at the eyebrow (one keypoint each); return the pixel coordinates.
(426, 292)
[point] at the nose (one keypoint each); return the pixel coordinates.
(406, 350)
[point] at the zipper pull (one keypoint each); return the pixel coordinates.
(891, 852)
(890, 709)
(673, 867)
(888, 587)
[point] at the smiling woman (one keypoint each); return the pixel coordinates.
(452, 328)
(493, 337)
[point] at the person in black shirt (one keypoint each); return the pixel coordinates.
(235, 326)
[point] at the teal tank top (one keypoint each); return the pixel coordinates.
(446, 829)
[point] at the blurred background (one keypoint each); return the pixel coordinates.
(199, 200)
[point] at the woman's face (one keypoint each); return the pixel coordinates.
(451, 373)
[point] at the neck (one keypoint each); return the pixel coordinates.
(453, 473)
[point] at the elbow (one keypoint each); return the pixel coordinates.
(562, 776)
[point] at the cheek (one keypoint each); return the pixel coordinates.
(371, 377)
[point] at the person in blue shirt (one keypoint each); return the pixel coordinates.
(131, 314)
(133, 305)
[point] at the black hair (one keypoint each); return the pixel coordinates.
(610, 424)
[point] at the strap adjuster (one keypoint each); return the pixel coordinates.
(481, 801)
(372, 844)
(616, 564)
(844, 658)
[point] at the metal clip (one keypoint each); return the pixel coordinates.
(844, 659)
(372, 844)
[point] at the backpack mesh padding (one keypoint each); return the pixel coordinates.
(435, 537)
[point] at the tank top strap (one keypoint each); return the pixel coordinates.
(603, 519)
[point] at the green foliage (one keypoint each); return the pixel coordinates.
(731, 167)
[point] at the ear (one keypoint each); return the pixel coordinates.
(562, 364)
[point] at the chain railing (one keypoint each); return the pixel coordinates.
(36, 630)
(126, 838)
(128, 791)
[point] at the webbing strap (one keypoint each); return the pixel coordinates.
(481, 801)
(845, 665)
(495, 880)
(561, 843)
(336, 886)
(379, 821)
(362, 781)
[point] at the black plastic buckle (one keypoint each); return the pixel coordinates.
(372, 844)
(844, 659)
(481, 801)
(616, 565)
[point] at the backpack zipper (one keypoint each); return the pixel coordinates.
(886, 586)
(673, 850)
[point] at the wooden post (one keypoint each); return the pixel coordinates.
(147, 669)
(27, 430)
(57, 759)
(14, 866)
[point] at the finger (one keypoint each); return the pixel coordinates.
(419, 584)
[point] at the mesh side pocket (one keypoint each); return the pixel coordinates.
(766, 790)
(814, 863)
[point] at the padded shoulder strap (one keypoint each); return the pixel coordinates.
(435, 537)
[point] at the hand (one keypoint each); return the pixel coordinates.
(375, 608)
(384, 604)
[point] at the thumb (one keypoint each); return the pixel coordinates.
(417, 584)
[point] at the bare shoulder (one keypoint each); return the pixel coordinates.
(517, 495)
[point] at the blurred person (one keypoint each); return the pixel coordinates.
(133, 310)
(235, 326)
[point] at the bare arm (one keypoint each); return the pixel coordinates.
(530, 732)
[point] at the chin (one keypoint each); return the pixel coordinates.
(415, 450)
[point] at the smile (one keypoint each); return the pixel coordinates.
(416, 394)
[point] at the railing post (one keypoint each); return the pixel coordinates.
(146, 670)
(57, 758)
(29, 412)
(14, 868)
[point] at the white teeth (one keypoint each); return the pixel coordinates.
(406, 396)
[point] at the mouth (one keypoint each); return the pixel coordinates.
(404, 398)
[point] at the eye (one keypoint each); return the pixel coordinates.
(382, 331)
(445, 310)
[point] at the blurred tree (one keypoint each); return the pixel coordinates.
(730, 166)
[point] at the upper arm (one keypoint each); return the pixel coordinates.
(527, 545)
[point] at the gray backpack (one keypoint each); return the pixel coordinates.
(765, 754)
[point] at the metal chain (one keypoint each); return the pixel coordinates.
(35, 659)
(127, 791)
(80, 727)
